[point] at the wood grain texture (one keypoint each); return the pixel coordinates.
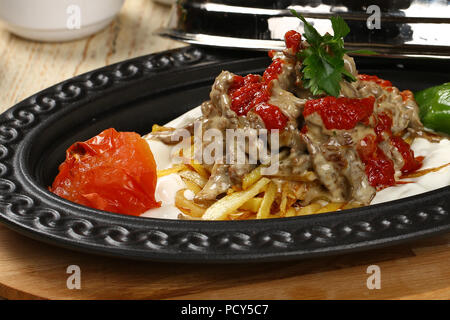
(27, 67)
(33, 270)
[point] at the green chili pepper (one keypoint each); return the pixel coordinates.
(434, 104)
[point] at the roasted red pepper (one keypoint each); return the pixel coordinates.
(271, 115)
(340, 113)
(293, 40)
(379, 168)
(252, 92)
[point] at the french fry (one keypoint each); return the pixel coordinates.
(230, 203)
(283, 203)
(175, 169)
(274, 215)
(182, 216)
(252, 204)
(351, 205)
(194, 177)
(266, 204)
(188, 206)
(235, 188)
(200, 169)
(241, 215)
(192, 186)
(309, 209)
(190, 153)
(291, 212)
(158, 128)
(251, 178)
(187, 152)
(308, 176)
(332, 206)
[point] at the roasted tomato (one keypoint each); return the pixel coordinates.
(113, 171)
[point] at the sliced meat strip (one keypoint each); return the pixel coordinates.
(361, 190)
(218, 184)
(327, 171)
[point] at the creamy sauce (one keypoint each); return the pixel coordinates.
(167, 186)
(436, 154)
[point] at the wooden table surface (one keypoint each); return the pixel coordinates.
(30, 269)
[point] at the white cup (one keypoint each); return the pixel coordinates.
(57, 20)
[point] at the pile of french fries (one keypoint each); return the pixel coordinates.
(258, 197)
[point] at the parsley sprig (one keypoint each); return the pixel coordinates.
(323, 61)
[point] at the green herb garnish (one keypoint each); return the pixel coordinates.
(323, 61)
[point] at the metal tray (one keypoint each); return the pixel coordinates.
(408, 28)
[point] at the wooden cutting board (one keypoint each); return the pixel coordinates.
(33, 270)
